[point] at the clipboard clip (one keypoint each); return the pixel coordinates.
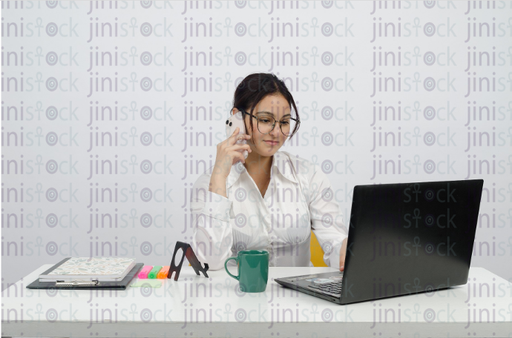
(94, 282)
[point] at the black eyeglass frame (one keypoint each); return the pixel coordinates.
(297, 122)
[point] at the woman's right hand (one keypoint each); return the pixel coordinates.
(228, 154)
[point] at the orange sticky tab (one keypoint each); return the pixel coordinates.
(164, 271)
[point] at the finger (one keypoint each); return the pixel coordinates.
(342, 258)
(233, 138)
(241, 146)
(239, 158)
(235, 133)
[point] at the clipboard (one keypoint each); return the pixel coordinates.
(86, 285)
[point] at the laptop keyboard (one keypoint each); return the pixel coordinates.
(331, 286)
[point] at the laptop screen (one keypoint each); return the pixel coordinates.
(410, 237)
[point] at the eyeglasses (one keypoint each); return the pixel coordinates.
(267, 123)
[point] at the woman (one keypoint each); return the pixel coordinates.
(271, 200)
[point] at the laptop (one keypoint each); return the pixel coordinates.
(403, 239)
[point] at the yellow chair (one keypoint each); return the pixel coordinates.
(317, 254)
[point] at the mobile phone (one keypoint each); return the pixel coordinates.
(236, 120)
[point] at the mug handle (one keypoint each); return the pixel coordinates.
(226, 267)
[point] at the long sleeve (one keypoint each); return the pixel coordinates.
(326, 217)
(212, 214)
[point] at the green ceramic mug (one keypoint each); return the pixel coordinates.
(252, 270)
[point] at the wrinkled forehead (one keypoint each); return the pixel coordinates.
(277, 106)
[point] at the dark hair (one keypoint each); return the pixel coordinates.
(255, 87)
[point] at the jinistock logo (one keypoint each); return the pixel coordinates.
(112, 110)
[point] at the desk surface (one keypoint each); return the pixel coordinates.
(196, 306)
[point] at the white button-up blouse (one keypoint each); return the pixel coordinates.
(299, 199)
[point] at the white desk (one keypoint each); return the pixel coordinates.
(196, 306)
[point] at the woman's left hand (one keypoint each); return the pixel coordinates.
(343, 252)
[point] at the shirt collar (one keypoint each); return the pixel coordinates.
(281, 163)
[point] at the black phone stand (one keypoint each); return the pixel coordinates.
(191, 257)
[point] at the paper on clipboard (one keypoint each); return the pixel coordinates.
(87, 269)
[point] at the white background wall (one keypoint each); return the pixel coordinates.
(62, 62)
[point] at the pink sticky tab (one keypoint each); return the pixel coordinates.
(143, 274)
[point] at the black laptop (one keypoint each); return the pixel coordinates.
(403, 239)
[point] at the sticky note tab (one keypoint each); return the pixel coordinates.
(163, 272)
(143, 274)
(152, 274)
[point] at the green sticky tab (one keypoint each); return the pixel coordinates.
(146, 283)
(152, 274)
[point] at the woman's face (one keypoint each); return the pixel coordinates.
(277, 106)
